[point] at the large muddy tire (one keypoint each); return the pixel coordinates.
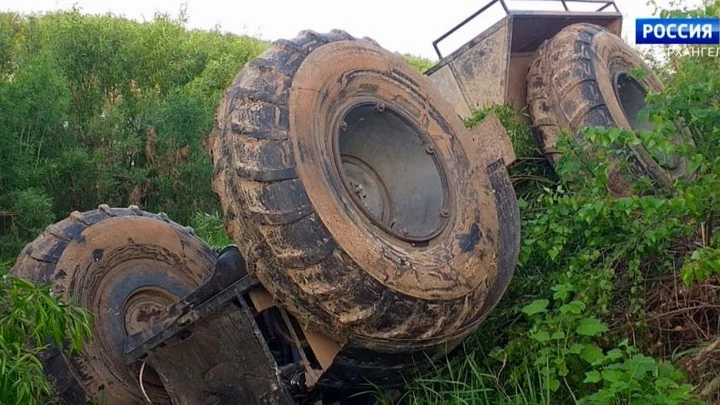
(125, 266)
(358, 198)
(582, 78)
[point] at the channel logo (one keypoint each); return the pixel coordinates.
(677, 31)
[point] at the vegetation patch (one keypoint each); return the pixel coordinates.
(32, 314)
(615, 300)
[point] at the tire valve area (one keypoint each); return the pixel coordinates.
(392, 172)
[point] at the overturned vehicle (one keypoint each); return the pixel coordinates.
(373, 232)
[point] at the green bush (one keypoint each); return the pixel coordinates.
(101, 109)
(574, 326)
(32, 314)
(419, 63)
(28, 212)
(211, 228)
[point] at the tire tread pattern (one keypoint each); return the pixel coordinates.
(563, 67)
(37, 264)
(271, 219)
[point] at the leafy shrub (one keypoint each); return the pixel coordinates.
(530, 171)
(419, 63)
(577, 324)
(28, 213)
(31, 314)
(105, 110)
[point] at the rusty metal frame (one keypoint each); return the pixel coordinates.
(508, 11)
(211, 306)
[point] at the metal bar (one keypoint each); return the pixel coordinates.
(503, 3)
(504, 6)
(571, 1)
(136, 346)
(309, 371)
(465, 21)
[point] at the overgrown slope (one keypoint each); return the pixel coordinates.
(613, 299)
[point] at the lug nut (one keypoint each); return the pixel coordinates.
(444, 213)
(380, 107)
(343, 126)
(430, 149)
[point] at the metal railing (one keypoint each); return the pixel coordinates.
(504, 3)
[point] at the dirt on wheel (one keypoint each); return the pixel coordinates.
(583, 77)
(359, 198)
(125, 266)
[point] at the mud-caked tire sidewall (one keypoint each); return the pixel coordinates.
(571, 87)
(322, 260)
(93, 257)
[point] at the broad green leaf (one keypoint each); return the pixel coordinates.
(554, 252)
(591, 354)
(591, 327)
(639, 364)
(553, 384)
(614, 354)
(592, 377)
(577, 348)
(575, 307)
(559, 335)
(612, 376)
(536, 307)
(542, 336)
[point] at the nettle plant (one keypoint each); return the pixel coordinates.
(572, 327)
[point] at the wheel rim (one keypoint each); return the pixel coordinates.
(391, 173)
(131, 292)
(106, 261)
(631, 96)
(144, 307)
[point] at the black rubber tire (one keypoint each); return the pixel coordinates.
(571, 87)
(284, 214)
(84, 259)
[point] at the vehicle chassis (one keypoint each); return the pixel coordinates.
(216, 327)
(492, 67)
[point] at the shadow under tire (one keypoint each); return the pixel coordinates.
(582, 78)
(125, 266)
(353, 189)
